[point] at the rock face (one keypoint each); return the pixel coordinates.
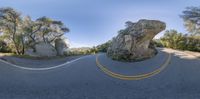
(42, 50)
(45, 49)
(60, 46)
(133, 42)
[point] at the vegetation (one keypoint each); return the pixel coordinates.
(175, 40)
(191, 18)
(21, 33)
(87, 50)
(3, 47)
(157, 42)
(103, 47)
(81, 51)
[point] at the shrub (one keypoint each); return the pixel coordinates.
(157, 42)
(103, 47)
(79, 51)
(175, 40)
(3, 47)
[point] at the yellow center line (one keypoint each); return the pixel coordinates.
(134, 77)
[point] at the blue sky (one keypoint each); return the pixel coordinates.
(93, 22)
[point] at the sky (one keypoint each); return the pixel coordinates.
(93, 22)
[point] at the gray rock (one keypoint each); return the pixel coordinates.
(42, 50)
(133, 42)
(30, 52)
(60, 46)
(45, 49)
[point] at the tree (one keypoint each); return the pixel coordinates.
(42, 30)
(193, 43)
(3, 46)
(93, 50)
(22, 33)
(173, 39)
(191, 18)
(10, 21)
(31, 29)
(104, 47)
(51, 29)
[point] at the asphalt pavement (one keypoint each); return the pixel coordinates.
(82, 79)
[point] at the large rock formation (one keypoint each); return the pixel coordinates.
(60, 46)
(45, 49)
(42, 50)
(133, 42)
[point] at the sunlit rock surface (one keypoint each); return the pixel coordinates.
(61, 45)
(133, 42)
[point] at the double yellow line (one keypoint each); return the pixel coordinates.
(135, 77)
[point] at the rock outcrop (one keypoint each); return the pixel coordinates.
(45, 49)
(133, 42)
(60, 46)
(42, 50)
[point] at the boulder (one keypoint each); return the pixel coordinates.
(45, 49)
(42, 50)
(61, 45)
(134, 42)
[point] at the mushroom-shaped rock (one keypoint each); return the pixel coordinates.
(134, 42)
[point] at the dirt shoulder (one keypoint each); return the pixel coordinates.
(197, 54)
(184, 54)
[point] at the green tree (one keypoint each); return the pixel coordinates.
(10, 22)
(193, 43)
(191, 18)
(157, 42)
(51, 29)
(3, 46)
(173, 39)
(104, 47)
(31, 30)
(93, 50)
(22, 33)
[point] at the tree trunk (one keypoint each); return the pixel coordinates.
(43, 37)
(13, 38)
(15, 45)
(23, 45)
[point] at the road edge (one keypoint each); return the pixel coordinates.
(42, 69)
(134, 77)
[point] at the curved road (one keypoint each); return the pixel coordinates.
(84, 80)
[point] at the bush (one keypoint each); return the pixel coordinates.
(193, 43)
(173, 39)
(79, 51)
(103, 47)
(3, 47)
(157, 43)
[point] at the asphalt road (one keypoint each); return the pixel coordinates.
(82, 79)
(37, 63)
